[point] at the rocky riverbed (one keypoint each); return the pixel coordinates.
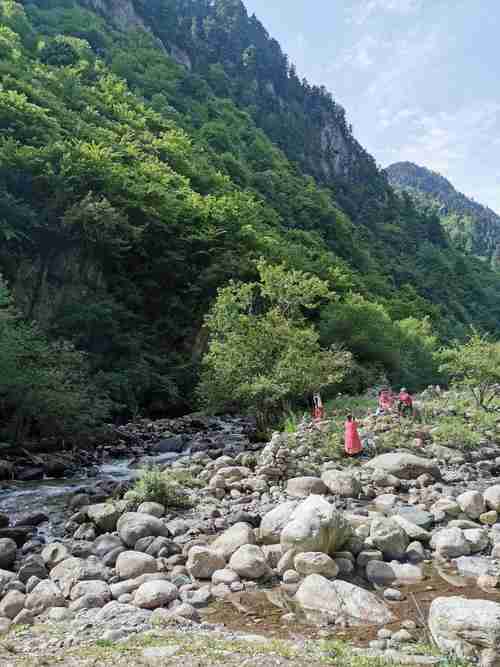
(287, 553)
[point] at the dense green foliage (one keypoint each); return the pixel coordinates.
(133, 188)
(263, 355)
(45, 388)
(471, 226)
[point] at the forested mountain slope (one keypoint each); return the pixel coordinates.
(151, 151)
(471, 226)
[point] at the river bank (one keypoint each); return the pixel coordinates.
(285, 551)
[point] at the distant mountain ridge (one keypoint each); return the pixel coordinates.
(471, 225)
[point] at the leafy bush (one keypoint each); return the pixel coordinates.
(456, 432)
(159, 486)
(475, 366)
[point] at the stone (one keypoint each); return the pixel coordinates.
(130, 585)
(342, 483)
(33, 566)
(122, 614)
(364, 557)
(412, 530)
(54, 553)
(402, 637)
(60, 614)
(471, 503)
(154, 509)
(419, 517)
(489, 518)
(232, 539)
(393, 595)
(315, 525)
(492, 497)
(249, 562)
(72, 570)
(225, 576)
(12, 604)
(404, 465)
(465, 627)
(273, 554)
(291, 577)
(99, 591)
(316, 563)
(5, 624)
(132, 526)
(203, 562)
(45, 595)
(8, 550)
(388, 536)
(447, 505)
(172, 445)
(301, 487)
(154, 594)
(477, 539)
(104, 544)
(473, 566)
(339, 599)
(274, 521)
(397, 574)
(132, 564)
(415, 552)
(450, 543)
(385, 502)
(104, 516)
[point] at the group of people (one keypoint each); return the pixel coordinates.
(387, 403)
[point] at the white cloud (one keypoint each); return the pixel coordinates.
(365, 9)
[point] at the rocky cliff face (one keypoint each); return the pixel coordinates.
(474, 227)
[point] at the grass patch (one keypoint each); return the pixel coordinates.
(160, 486)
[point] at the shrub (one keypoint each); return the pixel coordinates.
(159, 486)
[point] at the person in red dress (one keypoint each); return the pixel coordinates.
(353, 445)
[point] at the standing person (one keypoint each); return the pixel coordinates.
(385, 401)
(405, 403)
(352, 442)
(318, 408)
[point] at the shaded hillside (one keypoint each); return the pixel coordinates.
(472, 227)
(140, 172)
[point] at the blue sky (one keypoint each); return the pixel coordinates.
(419, 79)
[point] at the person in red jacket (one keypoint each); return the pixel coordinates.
(405, 403)
(352, 442)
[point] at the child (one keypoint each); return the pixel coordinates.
(353, 445)
(405, 403)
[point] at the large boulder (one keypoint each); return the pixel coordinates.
(203, 562)
(301, 487)
(274, 521)
(471, 503)
(492, 497)
(104, 544)
(339, 599)
(104, 516)
(249, 562)
(450, 543)
(54, 553)
(154, 594)
(397, 574)
(316, 563)
(465, 627)
(232, 539)
(132, 564)
(72, 570)
(388, 536)
(5, 578)
(132, 526)
(404, 465)
(44, 596)
(412, 530)
(342, 483)
(315, 525)
(12, 604)
(8, 549)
